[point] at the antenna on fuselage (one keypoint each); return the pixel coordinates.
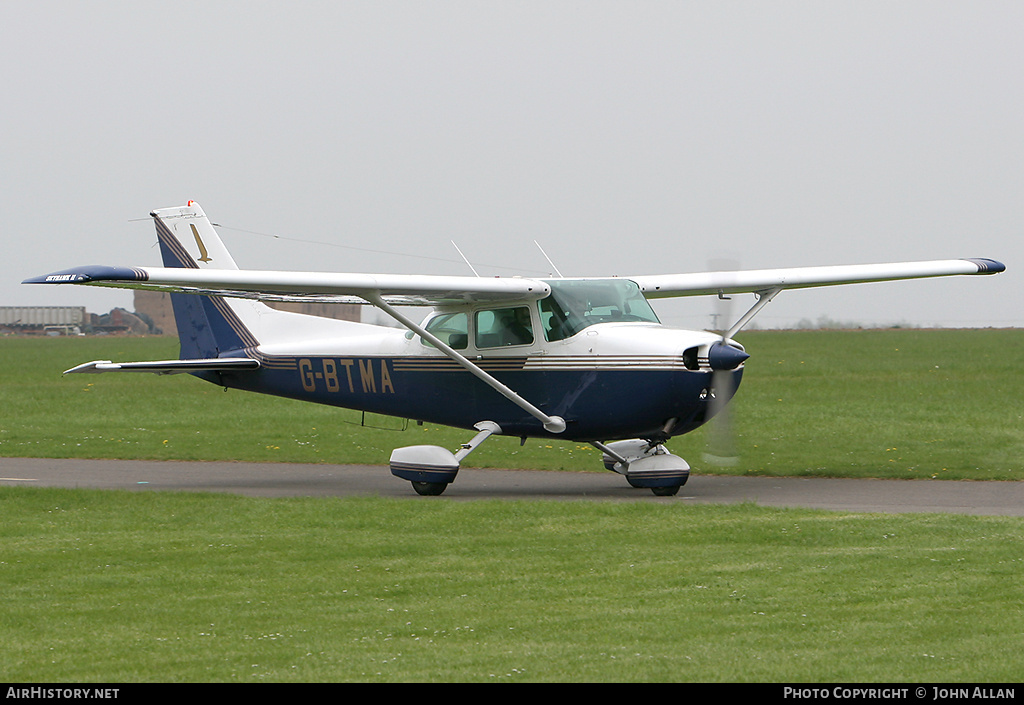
(464, 259)
(553, 267)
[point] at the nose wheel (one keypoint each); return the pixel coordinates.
(646, 464)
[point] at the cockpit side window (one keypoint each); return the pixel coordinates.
(556, 321)
(575, 304)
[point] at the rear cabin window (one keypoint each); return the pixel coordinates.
(503, 327)
(451, 328)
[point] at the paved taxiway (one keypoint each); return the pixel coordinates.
(290, 480)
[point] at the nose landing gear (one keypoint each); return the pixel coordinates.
(646, 464)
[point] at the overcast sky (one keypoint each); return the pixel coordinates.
(625, 137)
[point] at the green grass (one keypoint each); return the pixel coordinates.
(891, 403)
(884, 403)
(122, 587)
(134, 587)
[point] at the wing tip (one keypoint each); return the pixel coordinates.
(91, 367)
(92, 273)
(988, 266)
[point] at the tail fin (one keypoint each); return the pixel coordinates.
(208, 326)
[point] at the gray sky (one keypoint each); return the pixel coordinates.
(625, 137)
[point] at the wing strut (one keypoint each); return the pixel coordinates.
(553, 424)
(763, 299)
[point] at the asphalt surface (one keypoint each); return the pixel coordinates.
(294, 480)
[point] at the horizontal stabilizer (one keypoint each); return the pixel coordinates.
(169, 367)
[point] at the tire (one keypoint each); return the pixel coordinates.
(429, 489)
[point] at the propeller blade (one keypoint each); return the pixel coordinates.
(721, 449)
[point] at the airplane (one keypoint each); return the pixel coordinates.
(581, 359)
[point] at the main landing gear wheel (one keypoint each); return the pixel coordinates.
(431, 468)
(665, 491)
(668, 491)
(429, 489)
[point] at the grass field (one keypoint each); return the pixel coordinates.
(133, 587)
(889, 403)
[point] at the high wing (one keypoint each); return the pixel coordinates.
(766, 280)
(206, 267)
(397, 289)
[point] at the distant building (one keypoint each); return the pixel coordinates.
(156, 305)
(342, 312)
(50, 320)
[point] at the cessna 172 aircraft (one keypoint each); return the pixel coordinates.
(585, 360)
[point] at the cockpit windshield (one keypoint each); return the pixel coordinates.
(575, 304)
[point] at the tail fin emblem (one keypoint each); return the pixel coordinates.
(204, 257)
